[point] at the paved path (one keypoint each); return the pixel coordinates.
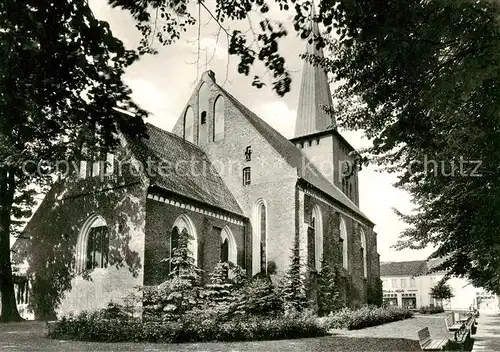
(487, 337)
(405, 329)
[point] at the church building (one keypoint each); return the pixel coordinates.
(242, 190)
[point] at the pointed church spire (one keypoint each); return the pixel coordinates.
(314, 91)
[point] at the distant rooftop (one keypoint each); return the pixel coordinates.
(408, 268)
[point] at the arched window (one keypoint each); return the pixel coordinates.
(343, 242)
(259, 251)
(174, 243)
(92, 247)
(83, 162)
(363, 253)
(228, 247)
(317, 224)
(203, 97)
(189, 125)
(218, 119)
(184, 222)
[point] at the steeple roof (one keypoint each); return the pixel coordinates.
(314, 91)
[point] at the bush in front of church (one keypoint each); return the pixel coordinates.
(191, 327)
(365, 317)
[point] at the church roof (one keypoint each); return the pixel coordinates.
(294, 157)
(181, 167)
(314, 91)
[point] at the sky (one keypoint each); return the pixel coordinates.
(162, 84)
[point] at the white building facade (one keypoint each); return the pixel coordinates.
(408, 285)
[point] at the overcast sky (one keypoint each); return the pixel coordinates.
(162, 84)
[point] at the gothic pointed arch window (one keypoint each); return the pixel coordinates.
(203, 100)
(259, 243)
(92, 248)
(317, 225)
(344, 244)
(363, 253)
(183, 222)
(228, 246)
(218, 119)
(189, 125)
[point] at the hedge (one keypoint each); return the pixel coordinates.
(191, 328)
(431, 310)
(366, 317)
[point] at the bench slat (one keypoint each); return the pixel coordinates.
(426, 343)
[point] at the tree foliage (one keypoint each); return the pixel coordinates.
(223, 291)
(60, 76)
(421, 79)
(294, 290)
(184, 282)
(441, 290)
(259, 297)
(328, 290)
(166, 20)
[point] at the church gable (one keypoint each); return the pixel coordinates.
(240, 121)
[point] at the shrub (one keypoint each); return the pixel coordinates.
(259, 297)
(365, 317)
(189, 328)
(431, 310)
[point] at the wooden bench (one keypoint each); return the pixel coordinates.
(461, 316)
(451, 326)
(427, 344)
(464, 333)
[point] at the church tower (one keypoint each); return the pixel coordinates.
(316, 133)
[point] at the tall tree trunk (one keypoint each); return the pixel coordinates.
(9, 310)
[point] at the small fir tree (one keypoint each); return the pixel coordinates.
(441, 291)
(294, 293)
(220, 293)
(328, 291)
(258, 297)
(182, 287)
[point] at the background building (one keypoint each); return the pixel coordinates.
(408, 284)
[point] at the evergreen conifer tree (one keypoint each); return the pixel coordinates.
(294, 294)
(182, 287)
(328, 291)
(219, 293)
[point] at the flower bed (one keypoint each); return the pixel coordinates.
(366, 317)
(93, 327)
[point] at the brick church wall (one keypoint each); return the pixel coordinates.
(160, 219)
(332, 251)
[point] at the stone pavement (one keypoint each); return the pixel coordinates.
(487, 337)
